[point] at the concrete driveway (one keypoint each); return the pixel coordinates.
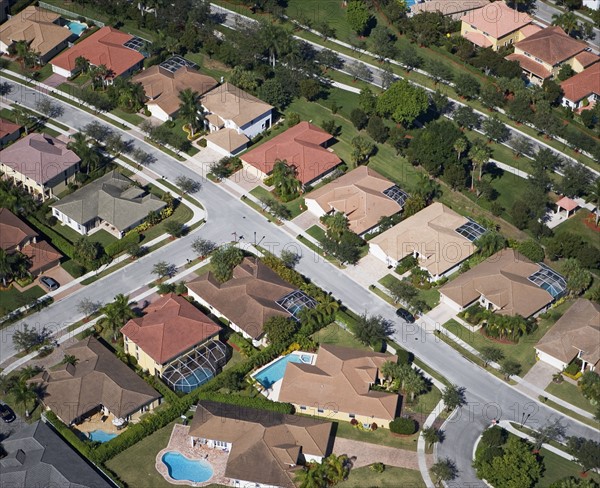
(540, 374)
(368, 270)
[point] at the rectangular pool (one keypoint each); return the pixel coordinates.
(275, 371)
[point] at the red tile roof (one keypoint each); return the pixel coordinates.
(497, 19)
(7, 128)
(13, 231)
(587, 58)
(42, 255)
(567, 204)
(530, 65)
(582, 84)
(104, 46)
(170, 327)
(300, 146)
(478, 39)
(552, 45)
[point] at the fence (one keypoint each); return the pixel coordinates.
(69, 13)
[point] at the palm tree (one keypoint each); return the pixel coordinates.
(90, 157)
(414, 384)
(70, 359)
(189, 110)
(13, 265)
(460, 146)
(568, 21)
(116, 314)
(479, 155)
(426, 188)
(286, 184)
(336, 223)
(594, 196)
(82, 65)
(387, 370)
(23, 394)
(24, 53)
(430, 436)
(336, 468)
(22, 117)
(311, 476)
(28, 372)
(275, 39)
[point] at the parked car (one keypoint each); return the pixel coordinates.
(50, 283)
(6, 413)
(405, 315)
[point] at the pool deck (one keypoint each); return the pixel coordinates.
(95, 423)
(180, 442)
(272, 393)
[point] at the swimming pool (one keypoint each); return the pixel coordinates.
(275, 371)
(193, 380)
(101, 436)
(184, 469)
(76, 27)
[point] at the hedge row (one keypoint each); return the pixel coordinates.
(259, 402)
(81, 446)
(121, 245)
(57, 240)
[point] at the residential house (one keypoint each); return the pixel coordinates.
(265, 448)
(37, 456)
(303, 146)
(97, 382)
(362, 195)
(543, 54)
(176, 342)
(339, 386)
(9, 132)
(39, 28)
(593, 4)
(583, 89)
(496, 25)
(240, 114)
(162, 88)
(107, 46)
(112, 202)
(450, 8)
(437, 236)
(43, 165)
(507, 283)
(576, 335)
(4, 5)
(17, 236)
(252, 296)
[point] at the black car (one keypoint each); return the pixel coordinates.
(6, 413)
(50, 283)
(405, 315)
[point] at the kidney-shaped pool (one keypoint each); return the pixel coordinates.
(184, 469)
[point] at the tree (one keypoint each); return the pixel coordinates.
(568, 22)
(430, 435)
(509, 368)
(433, 148)
(402, 291)
(174, 228)
(284, 178)
(384, 42)
(517, 466)
(519, 108)
(30, 338)
(362, 149)
(594, 197)
(289, 258)
(455, 176)
(272, 91)
(48, 108)
(532, 250)
(88, 253)
(359, 71)
(14, 265)
(203, 247)
(187, 185)
(438, 71)
(495, 130)
(466, 118)
(358, 17)
(372, 329)
(403, 102)
(358, 118)
(387, 76)
(23, 394)
(331, 127)
(310, 89)
(116, 314)
(413, 204)
(279, 330)
(87, 306)
(479, 156)
(585, 451)
(70, 359)
(377, 129)
(576, 180)
(466, 86)
(189, 110)
(490, 354)
(460, 146)
(223, 260)
(490, 243)
(551, 431)
(336, 223)
(414, 384)
(521, 146)
(566, 71)
(409, 57)
(444, 471)
(491, 96)
(367, 101)
(453, 397)
(162, 269)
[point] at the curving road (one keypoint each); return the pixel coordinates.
(487, 396)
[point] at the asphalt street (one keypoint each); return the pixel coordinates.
(488, 397)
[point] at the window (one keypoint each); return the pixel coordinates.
(351, 415)
(538, 60)
(302, 407)
(320, 410)
(220, 444)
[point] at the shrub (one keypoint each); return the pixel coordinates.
(123, 244)
(572, 369)
(404, 357)
(81, 446)
(374, 426)
(354, 422)
(378, 467)
(403, 425)
(202, 142)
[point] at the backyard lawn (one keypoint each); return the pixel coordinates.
(380, 436)
(576, 225)
(12, 298)
(392, 477)
(570, 393)
(557, 468)
(334, 334)
(103, 237)
(293, 206)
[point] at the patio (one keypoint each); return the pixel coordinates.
(99, 421)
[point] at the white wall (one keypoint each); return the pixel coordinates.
(217, 149)
(551, 360)
(158, 112)
(376, 251)
(314, 208)
(76, 226)
(451, 303)
(61, 71)
(256, 127)
(593, 4)
(3, 48)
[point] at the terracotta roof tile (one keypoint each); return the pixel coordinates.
(13, 231)
(448, 7)
(567, 203)
(552, 45)
(587, 58)
(478, 39)
(583, 84)
(497, 19)
(530, 65)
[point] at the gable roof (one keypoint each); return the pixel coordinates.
(502, 279)
(39, 156)
(98, 378)
(583, 84)
(105, 46)
(529, 64)
(341, 376)
(577, 330)
(266, 445)
(496, 19)
(552, 45)
(162, 86)
(448, 7)
(231, 103)
(112, 197)
(36, 27)
(37, 456)
(301, 146)
(7, 128)
(432, 233)
(170, 327)
(567, 203)
(248, 299)
(359, 195)
(13, 231)
(228, 139)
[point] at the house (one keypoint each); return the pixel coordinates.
(4, 5)
(576, 335)
(252, 296)
(39, 28)
(507, 283)
(9, 132)
(437, 236)
(107, 46)
(362, 195)
(176, 342)
(43, 165)
(265, 448)
(593, 4)
(112, 202)
(304, 146)
(17, 236)
(338, 386)
(162, 88)
(543, 54)
(37, 456)
(228, 107)
(583, 89)
(99, 381)
(496, 25)
(451, 8)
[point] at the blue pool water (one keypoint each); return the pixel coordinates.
(182, 468)
(76, 27)
(101, 436)
(193, 380)
(275, 371)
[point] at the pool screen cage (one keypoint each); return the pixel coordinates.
(211, 356)
(295, 301)
(396, 194)
(471, 230)
(549, 280)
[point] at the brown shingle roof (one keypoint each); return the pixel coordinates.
(231, 103)
(340, 380)
(7, 128)
(42, 255)
(502, 279)
(301, 146)
(497, 19)
(552, 45)
(13, 231)
(247, 299)
(359, 195)
(98, 378)
(582, 84)
(577, 330)
(265, 444)
(170, 327)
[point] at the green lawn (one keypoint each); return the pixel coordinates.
(382, 437)
(392, 477)
(181, 214)
(293, 206)
(103, 237)
(570, 393)
(12, 298)
(431, 297)
(576, 225)
(134, 119)
(334, 334)
(67, 232)
(557, 467)
(317, 232)
(425, 403)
